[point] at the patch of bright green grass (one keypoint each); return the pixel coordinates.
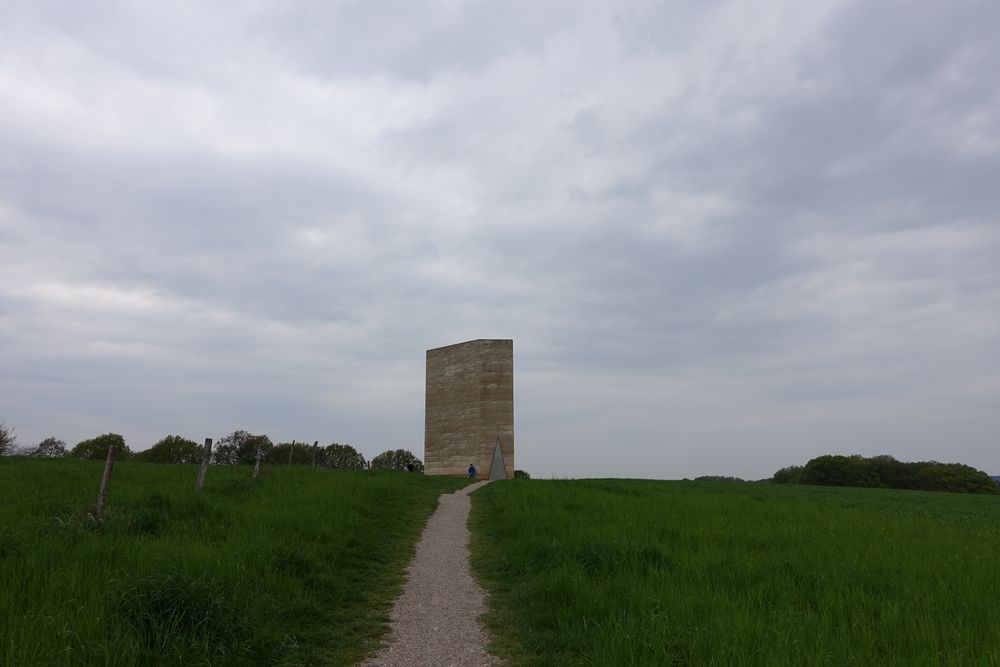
(296, 568)
(630, 572)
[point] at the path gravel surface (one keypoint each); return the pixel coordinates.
(435, 620)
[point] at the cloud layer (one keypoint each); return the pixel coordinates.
(724, 236)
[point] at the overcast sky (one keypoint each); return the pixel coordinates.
(725, 237)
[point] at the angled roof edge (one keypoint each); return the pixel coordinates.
(475, 340)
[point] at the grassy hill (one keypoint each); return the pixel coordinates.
(296, 568)
(300, 567)
(629, 572)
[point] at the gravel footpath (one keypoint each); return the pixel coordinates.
(434, 622)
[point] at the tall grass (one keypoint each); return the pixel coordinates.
(296, 568)
(613, 572)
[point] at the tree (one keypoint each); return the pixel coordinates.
(301, 454)
(343, 457)
(7, 440)
(97, 448)
(886, 472)
(396, 459)
(50, 448)
(955, 477)
(240, 448)
(788, 475)
(173, 449)
(520, 474)
(838, 470)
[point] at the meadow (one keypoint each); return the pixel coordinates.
(631, 572)
(298, 567)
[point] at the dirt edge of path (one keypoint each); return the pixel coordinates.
(435, 621)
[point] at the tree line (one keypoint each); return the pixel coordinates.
(237, 448)
(886, 472)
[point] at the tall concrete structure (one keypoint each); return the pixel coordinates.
(469, 414)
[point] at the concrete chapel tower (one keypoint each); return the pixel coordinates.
(469, 406)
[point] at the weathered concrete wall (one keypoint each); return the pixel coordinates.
(469, 404)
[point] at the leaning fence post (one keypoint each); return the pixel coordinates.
(291, 448)
(256, 465)
(315, 447)
(102, 495)
(204, 464)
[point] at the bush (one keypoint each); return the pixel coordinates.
(50, 448)
(718, 478)
(97, 448)
(520, 474)
(173, 449)
(397, 459)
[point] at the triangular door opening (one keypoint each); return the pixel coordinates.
(498, 471)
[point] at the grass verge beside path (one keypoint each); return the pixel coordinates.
(631, 572)
(297, 568)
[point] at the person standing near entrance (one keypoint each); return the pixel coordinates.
(472, 471)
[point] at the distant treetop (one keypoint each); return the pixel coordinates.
(7, 440)
(886, 472)
(397, 459)
(172, 449)
(97, 448)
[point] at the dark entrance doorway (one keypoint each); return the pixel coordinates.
(498, 470)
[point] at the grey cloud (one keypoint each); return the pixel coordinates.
(409, 40)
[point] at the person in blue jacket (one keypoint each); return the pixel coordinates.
(472, 471)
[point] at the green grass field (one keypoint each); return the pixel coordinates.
(616, 572)
(297, 568)
(300, 567)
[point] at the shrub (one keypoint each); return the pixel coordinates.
(520, 474)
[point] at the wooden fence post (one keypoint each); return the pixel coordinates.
(256, 465)
(315, 447)
(204, 464)
(102, 495)
(291, 448)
